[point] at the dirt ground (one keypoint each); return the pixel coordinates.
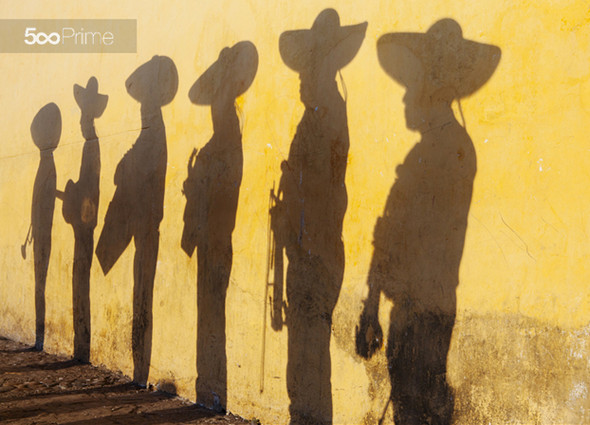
(38, 388)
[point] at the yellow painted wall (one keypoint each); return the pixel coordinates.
(520, 345)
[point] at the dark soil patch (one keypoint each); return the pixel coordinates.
(38, 388)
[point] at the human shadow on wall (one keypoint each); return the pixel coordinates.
(309, 209)
(137, 207)
(45, 131)
(80, 205)
(418, 241)
(212, 190)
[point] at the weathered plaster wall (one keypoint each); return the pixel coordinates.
(520, 343)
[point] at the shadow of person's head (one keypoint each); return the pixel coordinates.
(228, 77)
(154, 83)
(318, 53)
(436, 67)
(91, 103)
(46, 128)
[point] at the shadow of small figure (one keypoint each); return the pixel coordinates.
(309, 211)
(80, 206)
(137, 207)
(419, 240)
(45, 131)
(212, 191)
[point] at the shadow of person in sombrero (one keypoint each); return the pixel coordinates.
(418, 241)
(137, 207)
(80, 205)
(212, 189)
(309, 212)
(45, 131)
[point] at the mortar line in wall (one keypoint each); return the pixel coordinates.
(103, 139)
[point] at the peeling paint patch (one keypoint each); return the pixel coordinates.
(513, 369)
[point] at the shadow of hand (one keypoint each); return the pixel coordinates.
(369, 336)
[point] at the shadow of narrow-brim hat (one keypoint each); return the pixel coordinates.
(89, 100)
(446, 59)
(155, 82)
(326, 40)
(46, 127)
(234, 69)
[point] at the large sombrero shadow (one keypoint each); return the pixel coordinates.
(440, 59)
(212, 192)
(229, 76)
(420, 238)
(309, 209)
(326, 47)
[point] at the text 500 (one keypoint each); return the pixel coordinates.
(41, 37)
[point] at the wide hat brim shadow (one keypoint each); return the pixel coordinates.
(234, 70)
(440, 58)
(326, 40)
(89, 100)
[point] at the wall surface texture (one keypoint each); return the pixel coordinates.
(426, 241)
